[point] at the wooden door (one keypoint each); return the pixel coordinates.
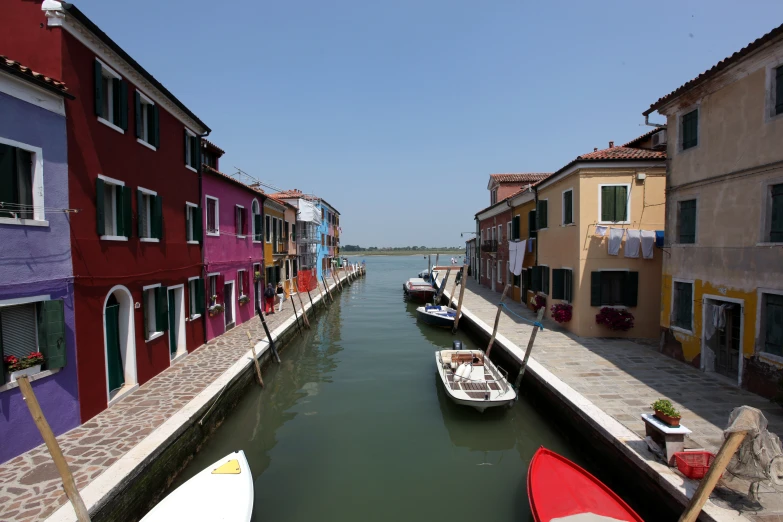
(113, 350)
(727, 358)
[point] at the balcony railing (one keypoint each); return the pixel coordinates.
(280, 246)
(490, 245)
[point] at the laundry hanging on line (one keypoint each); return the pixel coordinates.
(615, 240)
(601, 230)
(633, 242)
(648, 242)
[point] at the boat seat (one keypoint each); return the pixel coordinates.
(459, 358)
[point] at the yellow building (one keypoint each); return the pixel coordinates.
(722, 287)
(279, 248)
(523, 214)
(620, 188)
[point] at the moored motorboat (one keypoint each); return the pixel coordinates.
(417, 289)
(558, 489)
(221, 492)
(442, 316)
(471, 379)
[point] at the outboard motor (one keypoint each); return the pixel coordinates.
(456, 345)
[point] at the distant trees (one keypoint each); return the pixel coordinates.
(357, 248)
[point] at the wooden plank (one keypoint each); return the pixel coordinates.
(255, 359)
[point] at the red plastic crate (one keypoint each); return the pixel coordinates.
(694, 464)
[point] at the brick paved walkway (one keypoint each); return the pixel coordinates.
(30, 487)
(623, 377)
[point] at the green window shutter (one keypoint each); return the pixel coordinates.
(137, 114)
(123, 104)
(200, 304)
(542, 214)
(161, 309)
(127, 213)
(531, 224)
(631, 290)
(535, 278)
(139, 209)
(779, 90)
(98, 84)
(545, 282)
(773, 324)
(155, 126)
(195, 149)
(100, 211)
(690, 129)
(51, 333)
(621, 203)
(776, 225)
(515, 228)
(185, 148)
(687, 232)
(595, 288)
(568, 284)
(568, 211)
(116, 116)
(558, 280)
(157, 217)
(607, 203)
(198, 225)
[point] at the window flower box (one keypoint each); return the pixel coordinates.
(561, 312)
(215, 309)
(537, 302)
(615, 319)
(243, 299)
(257, 277)
(16, 367)
(32, 370)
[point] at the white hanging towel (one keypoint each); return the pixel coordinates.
(709, 324)
(615, 240)
(521, 250)
(632, 243)
(513, 253)
(648, 242)
(601, 230)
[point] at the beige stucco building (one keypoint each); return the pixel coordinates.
(620, 187)
(724, 218)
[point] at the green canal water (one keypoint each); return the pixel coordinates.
(354, 426)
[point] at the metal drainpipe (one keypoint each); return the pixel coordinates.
(647, 122)
(200, 199)
(535, 190)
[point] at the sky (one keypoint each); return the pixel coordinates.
(396, 112)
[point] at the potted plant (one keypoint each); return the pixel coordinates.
(243, 299)
(29, 365)
(666, 412)
(615, 319)
(215, 309)
(537, 302)
(257, 276)
(561, 312)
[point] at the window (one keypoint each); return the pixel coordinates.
(213, 218)
(539, 279)
(489, 269)
(500, 271)
(500, 233)
(568, 207)
(209, 159)
(269, 231)
(258, 229)
(493, 198)
(686, 221)
(150, 212)
(296, 267)
(111, 97)
(776, 214)
(147, 120)
(541, 214)
(193, 223)
(21, 185)
(614, 288)
(493, 233)
(241, 283)
(33, 327)
(155, 303)
(240, 221)
(213, 288)
(690, 129)
(562, 284)
(113, 206)
(773, 324)
(196, 296)
(515, 228)
(682, 305)
(779, 90)
(293, 232)
(531, 224)
(192, 150)
(614, 203)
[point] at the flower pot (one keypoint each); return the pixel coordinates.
(32, 370)
(671, 421)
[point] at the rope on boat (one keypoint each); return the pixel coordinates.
(534, 323)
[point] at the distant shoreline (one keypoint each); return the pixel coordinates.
(422, 253)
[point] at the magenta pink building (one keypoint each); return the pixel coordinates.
(233, 246)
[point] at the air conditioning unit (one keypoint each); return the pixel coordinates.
(659, 139)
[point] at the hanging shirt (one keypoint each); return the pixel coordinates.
(648, 242)
(601, 230)
(615, 240)
(632, 243)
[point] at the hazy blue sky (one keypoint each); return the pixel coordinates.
(396, 112)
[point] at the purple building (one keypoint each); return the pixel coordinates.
(36, 276)
(233, 246)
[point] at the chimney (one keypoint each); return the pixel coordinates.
(611, 144)
(595, 149)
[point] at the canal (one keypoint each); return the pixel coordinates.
(353, 424)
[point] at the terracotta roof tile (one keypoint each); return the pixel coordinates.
(622, 153)
(209, 145)
(644, 136)
(721, 65)
(21, 70)
(523, 177)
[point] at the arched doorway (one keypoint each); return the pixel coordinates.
(119, 343)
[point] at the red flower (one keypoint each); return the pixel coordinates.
(10, 359)
(615, 319)
(561, 312)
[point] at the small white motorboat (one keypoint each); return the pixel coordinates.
(222, 491)
(471, 379)
(442, 316)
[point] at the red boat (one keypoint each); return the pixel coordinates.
(417, 289)
(560, 490)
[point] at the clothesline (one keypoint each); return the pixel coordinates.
(534, 323)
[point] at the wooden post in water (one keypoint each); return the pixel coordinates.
(714, 473)
(454, 288)
(442, 286)
(312, 304)
(497, 320)
(268, 335)
(69, 485)
(255, 359)
(321, 293)
(459, 303)
(323, 278)
(296, 317)
(529, 349)
(336, 280)
(301, 303)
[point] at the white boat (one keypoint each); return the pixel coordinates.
(221, 492)
(471, 379)
(441, 316)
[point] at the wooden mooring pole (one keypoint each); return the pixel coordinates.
(54, 449)
(296, 317)
(268, 335)
(454, 288)
(320, 292)
(255, 359)
(442, 287)
(323, 278)
(459, 303)
(529, 349)
(301, 304)
(497, 320)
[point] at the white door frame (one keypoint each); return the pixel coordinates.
(233, 303)
(741, 302)
(127, 334)
(179, 312)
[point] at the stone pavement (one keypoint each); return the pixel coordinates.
(30, 487)
(623, 377)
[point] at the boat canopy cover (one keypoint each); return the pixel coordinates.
(309, 212)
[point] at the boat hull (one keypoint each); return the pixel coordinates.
(558, 489)
(481, 400)
(441, 321)
(420, 294)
